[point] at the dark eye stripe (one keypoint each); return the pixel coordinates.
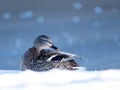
(48, 41)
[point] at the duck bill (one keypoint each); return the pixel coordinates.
(54, 47)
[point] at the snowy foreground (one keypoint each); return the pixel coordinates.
(60, 80)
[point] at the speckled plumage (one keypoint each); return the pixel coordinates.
(31, 60)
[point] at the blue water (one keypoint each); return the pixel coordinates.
(87, 28)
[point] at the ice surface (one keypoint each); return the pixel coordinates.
(60, 80)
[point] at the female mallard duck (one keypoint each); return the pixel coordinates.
(40, 58)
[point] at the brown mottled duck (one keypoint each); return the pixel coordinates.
(45, 56)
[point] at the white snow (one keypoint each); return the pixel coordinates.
(60, 80)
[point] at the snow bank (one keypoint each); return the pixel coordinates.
(60, 80)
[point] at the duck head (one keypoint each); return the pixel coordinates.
(44, 42)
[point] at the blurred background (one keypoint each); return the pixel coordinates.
(88, 28)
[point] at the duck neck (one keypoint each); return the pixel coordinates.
(38, 50)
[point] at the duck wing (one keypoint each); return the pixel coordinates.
(50, 59)
(63, 56)
(45, 54)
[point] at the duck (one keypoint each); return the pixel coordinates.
(44, 56)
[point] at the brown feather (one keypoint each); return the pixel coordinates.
(32, 61)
